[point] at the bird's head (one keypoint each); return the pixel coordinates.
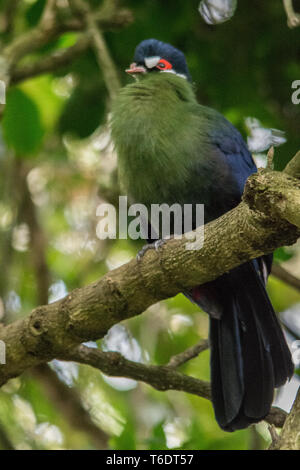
(152, 56)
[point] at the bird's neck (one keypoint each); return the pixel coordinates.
(153, 127)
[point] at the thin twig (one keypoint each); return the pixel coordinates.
(51, 62)
(282, 274)
(50, 27)
(103, 56)
(188, 354)
(161, 378)
(47, 29)
(49, 13)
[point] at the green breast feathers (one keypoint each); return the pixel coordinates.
(155, 128)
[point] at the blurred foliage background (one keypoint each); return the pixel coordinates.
(57, 164)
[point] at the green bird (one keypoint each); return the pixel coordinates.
(173, 150)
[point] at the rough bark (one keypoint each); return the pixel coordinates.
(289, 438)
(260, 224)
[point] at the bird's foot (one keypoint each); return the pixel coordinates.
(150, 246)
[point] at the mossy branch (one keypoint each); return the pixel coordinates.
(258, 225)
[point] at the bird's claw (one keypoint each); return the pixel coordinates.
(150, 246)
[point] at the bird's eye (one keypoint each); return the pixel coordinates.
(164, 65)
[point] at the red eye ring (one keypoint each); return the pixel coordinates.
(164, 65)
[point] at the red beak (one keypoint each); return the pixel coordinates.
(134, 68)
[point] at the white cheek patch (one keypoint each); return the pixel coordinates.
(151, 61)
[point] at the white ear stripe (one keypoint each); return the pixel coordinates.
(175, 73)
(151, 61)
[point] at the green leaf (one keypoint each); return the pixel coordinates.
(34, 12)
(83, 112)
(41, 90)
(281, 255)
(158, 438)
(22, 127)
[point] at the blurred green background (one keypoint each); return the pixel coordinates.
(57, 164)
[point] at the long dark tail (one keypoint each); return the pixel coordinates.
(249, 354)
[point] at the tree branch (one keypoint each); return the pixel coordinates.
(161, 378)
(253, 228)
(289, 438)
(268, 217)
(188, 354)
(51, 62)
(285, 276)
(52, 25)
(103, 56)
